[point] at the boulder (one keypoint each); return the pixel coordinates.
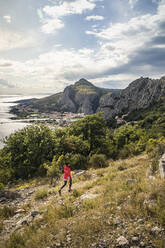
(162, 166)
(122, 242)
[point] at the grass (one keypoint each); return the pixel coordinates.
(6, 212)
(93, 219)
(41, 193)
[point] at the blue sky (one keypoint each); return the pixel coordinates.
(46, 45)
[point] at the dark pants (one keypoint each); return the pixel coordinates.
(65, 183)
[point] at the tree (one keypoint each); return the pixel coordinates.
(28, 149)
(91, 128)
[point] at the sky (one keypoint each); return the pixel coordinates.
(46, 45)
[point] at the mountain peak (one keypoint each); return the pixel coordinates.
(84, 82)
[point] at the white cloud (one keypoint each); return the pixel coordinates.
(40, 14)
(7, 18)
(122, 40)
(54, 14)
(132, 3)
(11, 40)
(51, 26)
(94, 18)
(117, 44)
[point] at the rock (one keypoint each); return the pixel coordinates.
(142, 244)
(11, 195)
(58, 245)
(162, 166)
(78, 173)
(101, 244)
(69, 239)
(34, 213)
(151, 177)
(24, 221)
(155, 230)
(122, 242)
(88, 196)
(20, 211)
(117, 221)
(2, 200)
(140, 221)
(107, 205)
(135, 240)
(129, 181)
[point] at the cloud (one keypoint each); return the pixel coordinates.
(132, 3)
(5, 84)
(124, 41)
(12, 40)
(7, 18)
(94, 18)
(124, 52)
(40, 13)
(54, 14)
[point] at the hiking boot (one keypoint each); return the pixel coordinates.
(69, 190)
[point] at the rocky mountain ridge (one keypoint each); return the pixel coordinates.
(84, 97)
(140, 94)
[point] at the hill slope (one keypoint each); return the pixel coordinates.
(117, 206)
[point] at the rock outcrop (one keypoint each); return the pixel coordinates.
(138, 95)
(162, 166)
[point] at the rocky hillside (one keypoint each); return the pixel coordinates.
(118, 206)
(139, 94)
(84, 97)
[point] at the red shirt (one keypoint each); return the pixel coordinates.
(67, 172)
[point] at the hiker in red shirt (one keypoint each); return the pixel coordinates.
(67, 176)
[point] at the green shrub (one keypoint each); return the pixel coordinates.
(1, 186)
(53, 169)
(98, 161)
(155, 148)
(78, 161)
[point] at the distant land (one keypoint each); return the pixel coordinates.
(84, 97)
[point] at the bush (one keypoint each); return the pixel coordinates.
(98, 161)
(53, 169)
(155, 149)
(78, 161)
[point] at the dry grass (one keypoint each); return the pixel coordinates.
(88, 221)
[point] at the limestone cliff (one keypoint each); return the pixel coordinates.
(138, 95)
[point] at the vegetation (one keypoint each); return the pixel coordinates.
(138, 207)
(39, 150)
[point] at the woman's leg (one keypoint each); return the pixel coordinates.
(70, 184)
(65, 182)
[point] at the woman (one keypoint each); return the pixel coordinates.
(67, 176)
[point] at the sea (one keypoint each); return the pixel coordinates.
(7, 125)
